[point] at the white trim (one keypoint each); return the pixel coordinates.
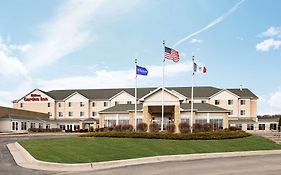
(119, 94)
(222, 91)
(71, 95)
(156, 90)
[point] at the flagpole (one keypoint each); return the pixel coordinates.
(192, 84)
(135, 118)
(162, 115)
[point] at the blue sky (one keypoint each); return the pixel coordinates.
(93, 43)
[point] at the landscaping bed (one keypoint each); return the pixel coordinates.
(218, 135)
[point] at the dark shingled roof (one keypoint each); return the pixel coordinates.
(122, 108)
(19, 112)
(105, 94)
(244, 93)
(14, 117)
(242, 120)
(202, 107)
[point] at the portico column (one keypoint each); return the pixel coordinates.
(177, 118)
(117, 119)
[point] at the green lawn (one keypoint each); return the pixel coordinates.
(91, 149)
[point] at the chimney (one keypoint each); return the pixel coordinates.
(241, 88)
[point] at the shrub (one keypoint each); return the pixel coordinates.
(142, 127)
(233, 128)
(118, 128)
(171, 127)
(207, 127)
(44, 130)
(154, 127)
(126, 128)
(197, 127)
(184, 127)
(218, 135)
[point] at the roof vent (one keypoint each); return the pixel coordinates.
(241, 88)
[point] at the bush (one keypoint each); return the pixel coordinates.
(233, 128)
(118, 128)
(197, 127)
(207, 127)
(142, 127)
(44, 130)
(126, 128)
(184, 127)
(154, 127)
(170, 127)
(218, 135)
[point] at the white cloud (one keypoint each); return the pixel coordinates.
(194, 40)
(11, 66)
(272, 31)
(23, 48)
(113, 78)
(275, 100)
(211, 24)
(270, 103)
(268, 44)
(72, 28)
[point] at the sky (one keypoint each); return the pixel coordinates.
(90, 44)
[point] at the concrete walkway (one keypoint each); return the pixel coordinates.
(24, 159)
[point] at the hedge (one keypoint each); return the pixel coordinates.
(217, 135)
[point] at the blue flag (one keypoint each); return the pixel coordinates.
(141, 70)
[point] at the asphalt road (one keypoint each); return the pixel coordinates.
(263, 165)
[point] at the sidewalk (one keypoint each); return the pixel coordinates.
(38, 134)
(24, 159)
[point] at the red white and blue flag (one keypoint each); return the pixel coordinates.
(171, 54)
(200, 69)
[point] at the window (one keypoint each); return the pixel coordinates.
(109, 123)
(105, 103)
(129, 102)
(32, 125)
(242, 112)
(189, 101)
(69, 104)
(217, 102)
(184, 120)
(59, 105)
(49, 113)
(242, 102)
(116, 103)
(139, 120)
(62, 127)
(48, 126)
(15, 126)
(70, 114)
(49, 105)
(82, 104)
(250, 126)
(201, 121)
(94, 114)
(21, 105)
(273, 126)
(217, 123)
(40, 125)
(23, 126)
(81, 114)
(239, 126)
(230, 102)
(69, 127)
(230, 112)
(76, 127)
(123, 122)
(203, 101)
(60, 114)
(261, 126)
(93, 104)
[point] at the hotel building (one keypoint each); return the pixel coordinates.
(84, 108)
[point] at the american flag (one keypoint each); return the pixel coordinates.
(171, 54)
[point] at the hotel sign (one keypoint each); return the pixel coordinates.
(35, 97)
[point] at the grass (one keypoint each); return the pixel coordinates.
(91, 149)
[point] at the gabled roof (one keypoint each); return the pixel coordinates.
(223, 91)
(202, 107)
(71, 95)
(31, 93)
(19, 112)
(122, 108)
(160, 88)
(244, 93)
(16, 117)
(116, 95)
(106, 94)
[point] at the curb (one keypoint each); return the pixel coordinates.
(25, 160)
